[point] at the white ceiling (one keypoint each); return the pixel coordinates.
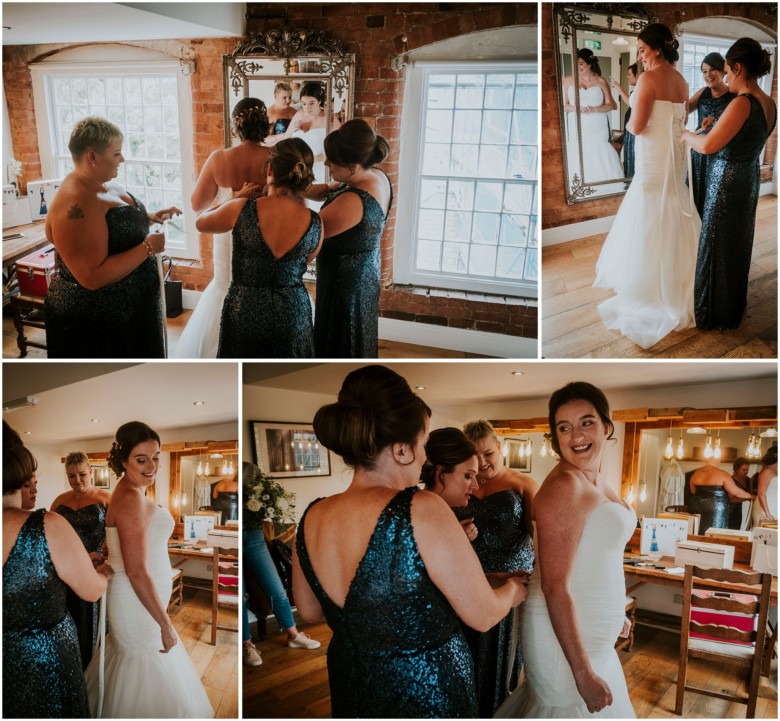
(32, 23)
(459, 382)
(70, 395)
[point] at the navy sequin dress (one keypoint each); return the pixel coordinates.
(728, 224)
(628, 147)
(346, 322)
(42, 675)
(226, 503)
(125, 316)
(397, 649)
(281, 125)
(708, 107)
(712, 502)
(502, 545)
(267, 311)
(90, 524)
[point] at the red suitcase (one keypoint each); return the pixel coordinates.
(35, 272)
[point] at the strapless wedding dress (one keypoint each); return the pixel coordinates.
(141, 682)
(598, 588)
(315, 139)
(649, 256)
(771, 500)
(200, 338)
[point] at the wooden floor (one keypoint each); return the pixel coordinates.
(294, 684)
(572, 326)
(387, 349)
(216, 665)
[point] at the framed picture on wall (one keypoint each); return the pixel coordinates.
(288, 450)
(101, 477)
(519, 454)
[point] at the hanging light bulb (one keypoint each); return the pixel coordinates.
(630, 497)
(224, 468)
(199, 470)
(230, 467)
(543, 450)
(680, 447)
(708, 446)
(521, 449)
(505, 449)
(643, 492)
(175, 501)
(751, 450)
(184, 498)
(716, 451)
(669, 450)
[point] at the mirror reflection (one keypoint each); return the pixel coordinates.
(208, 483)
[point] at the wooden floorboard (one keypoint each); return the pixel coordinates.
(294, 684)
(572, 326)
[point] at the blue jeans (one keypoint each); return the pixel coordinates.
(259, 564)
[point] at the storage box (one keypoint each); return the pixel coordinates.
(40, 193)
(16, 211)
(730, 534)
(763, 555)
(741, 621)
(35, 272)
(704, 555)
(196, 528)
(667, 531)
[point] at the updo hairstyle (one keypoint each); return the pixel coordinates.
(751, 55)
(128, 436)
(10, 436)
(291, 162)
(77, 458)
(658, 37)
(92, 133)
(477, 431)
(587, 55)
(445, 449)
(314, 90)
(715, 61)
(356, 143)
(375, 408)
(250, 120)
(770, 457)
(578, 391)
(19, 466)
(634, 68)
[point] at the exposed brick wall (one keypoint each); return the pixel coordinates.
(555, 211)
(373, 32)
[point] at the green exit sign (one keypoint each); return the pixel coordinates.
(593, 44)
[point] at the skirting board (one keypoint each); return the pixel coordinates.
(575, 231)
(467, 341)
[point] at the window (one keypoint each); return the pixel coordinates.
(149, 101)
(471, 136)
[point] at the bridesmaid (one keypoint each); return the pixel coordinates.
(710, 488)
(346, 322)
(710, 102)
(502, 508)
(733, 178)
(281, 112)
(84, 507)
(267, 311)
(628, 137)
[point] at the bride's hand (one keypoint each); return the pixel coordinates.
(168, 638)
(595, 693)
(248, 190)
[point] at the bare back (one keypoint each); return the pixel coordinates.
(665, 83)
(283, 222)
(708, 476)
(244, 163)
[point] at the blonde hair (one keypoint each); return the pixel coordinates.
(92, 133)
(76, 458)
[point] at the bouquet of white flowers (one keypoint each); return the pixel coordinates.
(265, 500)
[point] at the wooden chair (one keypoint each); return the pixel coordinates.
(225, 587)
(732, 646)
(676, 509)
(177, 589)
(626, 644)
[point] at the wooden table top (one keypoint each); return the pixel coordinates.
(33, 237)
(190, 550)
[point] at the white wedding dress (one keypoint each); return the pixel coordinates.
(315, 139)
(600, 159)
(597, 585)
(141, 682)
(200, 337)
(649, 256)
(771, 501)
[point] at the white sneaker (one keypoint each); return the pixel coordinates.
(252, 656)
(303, 641)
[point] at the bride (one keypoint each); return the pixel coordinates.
(148, 673)
(574, 611)
(649, 256)
(237, 172)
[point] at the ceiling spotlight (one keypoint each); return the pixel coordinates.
(199, 403)
(518, 373)
(18, 403)
(94, 420)
(697, 431)
(419, 388)
(28, 433)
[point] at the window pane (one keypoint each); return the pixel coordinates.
(521, 163)
(441, 91)
(464, 160)
(526, 91)
(489, 196)
(114, 94)
(467, 125)
(438, 126)
(132, 91)
(152, 175)
(431, 224)
(499, 90)
(514, 230)
(492, 161)
(152, 120)
(428, 255)
(470, 91)
(486, 228)
(524, 127)
(460, 195)
(495, 129)
(78, 89)
(458, 226)
(432, 193)
(518, 197)
(483, 260)
(436, 159)
(151, 91)
(61, 90)
(135, 175)
(510, 263)
(455, 258)
(96, 90)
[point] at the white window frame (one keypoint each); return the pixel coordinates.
(90, 61)
(410, 169)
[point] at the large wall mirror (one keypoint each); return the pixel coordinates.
(302, 60)
(597, 160)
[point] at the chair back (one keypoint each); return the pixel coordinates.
(225, 586)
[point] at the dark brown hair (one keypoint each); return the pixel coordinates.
(740, 461)
(659, 37)
(375, 408)
(291, 162)
(250, 120)
(578, 391)
(751, 55)
(446, 448)
(770, 457)
(314, 90)
(19, 466)
(355, 142)
(128, 436)
(587, 55)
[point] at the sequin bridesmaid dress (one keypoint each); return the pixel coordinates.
(90, 524)
(267, 311)
(728, 225)
(502, 545)
(397, 649)
(42, 675)
(125, 316)
(708, 107)
(346, 320)
(712, 504)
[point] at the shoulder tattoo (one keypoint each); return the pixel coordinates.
(75, 212)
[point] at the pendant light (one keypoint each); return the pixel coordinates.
(716, 451)
(680, 447)
(669, 450)
(708, 446)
